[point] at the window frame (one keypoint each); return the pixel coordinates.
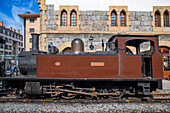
(166, 13)
(32, 21)
(157, 19)
(32, 29)
(74, 18)
(166, 69)
(139, 47)
(30, 40)
(124, 18)
(64, 18)
(112, 20)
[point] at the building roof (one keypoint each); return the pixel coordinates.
(23, 16)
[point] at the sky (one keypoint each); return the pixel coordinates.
(9, 10)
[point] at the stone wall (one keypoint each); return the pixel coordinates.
(97, 20)
(59, 39)
(140, 21)
(51, 18)
(94, 21)
(164, 37)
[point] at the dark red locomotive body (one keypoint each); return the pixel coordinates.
(111, 73)
(116, 65)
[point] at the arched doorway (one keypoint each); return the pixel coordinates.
(67, 50)
(64, 46)
(165, 49)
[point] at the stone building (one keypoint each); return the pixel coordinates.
(14, 42)
(61, 23)
(31, 24)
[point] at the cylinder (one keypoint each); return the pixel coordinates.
(77, 46)
(35, 42)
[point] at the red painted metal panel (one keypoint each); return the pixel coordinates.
(131, 65)
(98, 66)
(77, 66)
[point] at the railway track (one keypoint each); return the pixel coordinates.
(158, 96)
(160, 99)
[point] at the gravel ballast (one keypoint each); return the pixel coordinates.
(79, 107)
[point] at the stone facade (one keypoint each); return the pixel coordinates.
(94, 21)
(164, 38)
(59, 39)
(140, 21)
(97, 24)
(51, 18)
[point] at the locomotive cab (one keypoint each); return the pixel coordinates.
(145, 48)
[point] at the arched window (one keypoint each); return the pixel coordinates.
(122, 18)
(113, 18)
(165, 49)
(73, 18)
(166, 19)
(63, 18)
(157, 19)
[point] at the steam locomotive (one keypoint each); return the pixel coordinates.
(78, 74)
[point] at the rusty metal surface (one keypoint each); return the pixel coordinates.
(77, 66)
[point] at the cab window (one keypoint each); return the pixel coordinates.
(139, 47)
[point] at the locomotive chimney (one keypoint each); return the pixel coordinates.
(35, 41)
(77, 46)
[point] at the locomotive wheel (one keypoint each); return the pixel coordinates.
(18, 93)
(68, 96)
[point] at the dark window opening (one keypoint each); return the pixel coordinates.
(6, 32)
(31, 20)
(67, 50)
(64, 18)
(31, 30)
(113, 18)
(146, 67)
(6, 46)
(10, 48)
(73, 20)
(166, 19)
(140, 47)
(9, 33)
(30, 40)
(166, 63)
(122, 18)
(1, 30)
(6, 39)
(164, 49)
(1, 46)
(157, 19)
